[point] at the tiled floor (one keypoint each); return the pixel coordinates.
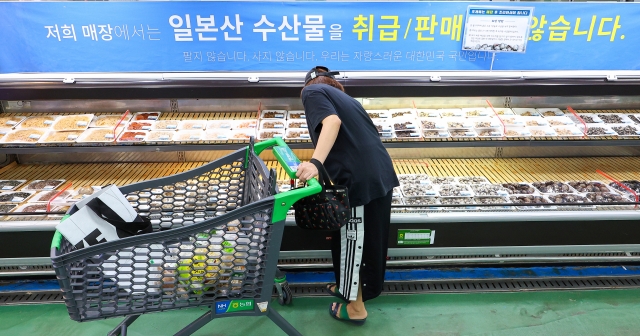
(584, 313)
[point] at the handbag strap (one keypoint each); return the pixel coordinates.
(323, 175)
(103, 211)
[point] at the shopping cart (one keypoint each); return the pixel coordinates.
(216, 241)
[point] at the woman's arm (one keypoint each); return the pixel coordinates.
(328, 135)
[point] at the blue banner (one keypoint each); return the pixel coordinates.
(274, 36)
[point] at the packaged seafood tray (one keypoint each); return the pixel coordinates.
(395, 202)
(535, 121)
(109, 121)
(570, 199)
(81, 193)
(268, 134)
(36, 208)
(434, 124)
(397, 192)
(37, 185)
(416, 189)
(542, 132)
(46, 196)
(27, 136)
(606, 197)
(631, 184)
(403, 113)
(11, 121)
(463, 133)
(188, 136)
(53, 137)
(560, 121)
(297, 134)
(160, 136)
(455, 190)
(626, 130)
(472, 112)
(133, 137)
(427, 201)
(146, 116)
(600, 130)
(384, 127)
(493, 200)
(162, 125)
(513, 121)
(6, 208)
(589, 186)
(405, 124)
(456, 112)
(502, 111)
(144, 125)
(520, 188)
(489, 190)
(9, 185)
(297, 115)
(490, 132)
(588, 118)
(429, 113)
(73, 122)
(273, 124)
(414, 179)
(297, 123)
(443, 179)
(15, 196)
(491, 122)
(466, 203)
(99, 135)
(435, 134)
(241, 124)
(458, 123)
(550, 112)
(43, 122)
(215, 135)
(635, 118)
(568, 131)
(407, 134)
(526, 111)
(614, 118)
(379, 114)
(553, 187)
(242, 134)
(537, 202)
(517, 132)
(273, 114)
(193, 125)
(222, 124)
(472, 180)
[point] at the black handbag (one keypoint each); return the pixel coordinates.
(328, 210)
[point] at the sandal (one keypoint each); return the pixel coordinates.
(339, 312)
(335, 293)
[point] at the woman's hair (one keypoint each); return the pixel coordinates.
(325, 80)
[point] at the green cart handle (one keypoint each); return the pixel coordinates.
(289, 161)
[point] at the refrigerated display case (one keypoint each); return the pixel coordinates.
(496, 167)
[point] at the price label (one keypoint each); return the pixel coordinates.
(493, 133)
(48, 187)
(194, 137)
(17, 199)
(81, 123)
(467, 125)
(109, 136)
(549, 133)
(425, 182)
(221, 136)
(503, 193)
(279, 115)
(139, 136)
(465, 193)
(386, 128)
(146, 127)
(443, 134)
(7, 187)
(197, 126)
(526, 133)
(430, 193)
(304, 136)
(48, 122)
(415, 134)
(72, 137)
(41, 210)
(469, 134)
(597, 119)
(152, 117)
(609, 132)
(172, 126)
(278, 125)
(34, 136)
(576, 132)
(164, 137)
(12, 123)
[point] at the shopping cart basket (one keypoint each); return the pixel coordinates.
(216, 241)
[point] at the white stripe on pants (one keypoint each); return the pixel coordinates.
(351, 243)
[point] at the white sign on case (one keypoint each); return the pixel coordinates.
(497, 29)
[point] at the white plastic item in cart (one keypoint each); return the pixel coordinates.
(272, 133)
(140, 125)
(568, 131)
(146, 116)
(272, 124)
(454, 112)
(299, 114)
(403, 113)
(297, 123)
(550, 112)
(193, 125)
(428, 113)
(433, 124)
(10, 122)
(297, 134)
(475, 112)
(526, 111)
(273, 114)
(458, 123)
(99, 135)
(188, 136)
(379, 114)
(216, 135)
(535, 121)
(132, 136)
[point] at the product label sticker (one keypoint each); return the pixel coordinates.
(109, 136)
(194, 137)
(197, 126)
(304, 136)
(72, 137)
(495, 133)
(17, 199)
(41, 210)
(469, 134)
(34, 136)
(609, 132)
(48, 122)
(172, 126)
(279, 115)
(164, 137)
(503, 193)
(139, 136)
(430, 193)
(416, 237)
(526, 133)
(465, 193)
(146, 127)
(443, 134)
(550, 132)
(152, 117)
(81, 123)
(11, 122)
(425, 182)
(7, 187)
(48, 188)
(221, 136)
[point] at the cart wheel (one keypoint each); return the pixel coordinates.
(287, 296)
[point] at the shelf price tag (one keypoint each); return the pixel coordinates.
(416, 237)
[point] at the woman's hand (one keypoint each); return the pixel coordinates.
(306, 171)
